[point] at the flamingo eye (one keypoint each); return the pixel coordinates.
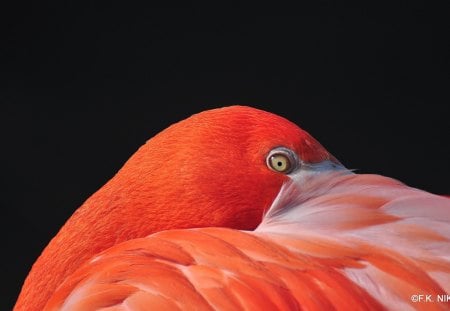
(282, 160)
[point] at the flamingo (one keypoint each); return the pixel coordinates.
(238, 208)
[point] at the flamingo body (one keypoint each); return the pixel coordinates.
(353, 242)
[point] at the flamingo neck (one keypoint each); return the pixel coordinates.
(98, 224)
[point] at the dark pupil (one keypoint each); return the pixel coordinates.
(279, 163)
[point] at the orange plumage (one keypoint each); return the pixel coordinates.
(328, 238)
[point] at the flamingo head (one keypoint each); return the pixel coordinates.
(222, 167)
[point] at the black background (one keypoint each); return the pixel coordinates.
(84, 85)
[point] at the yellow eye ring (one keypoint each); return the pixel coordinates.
(282, 160)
